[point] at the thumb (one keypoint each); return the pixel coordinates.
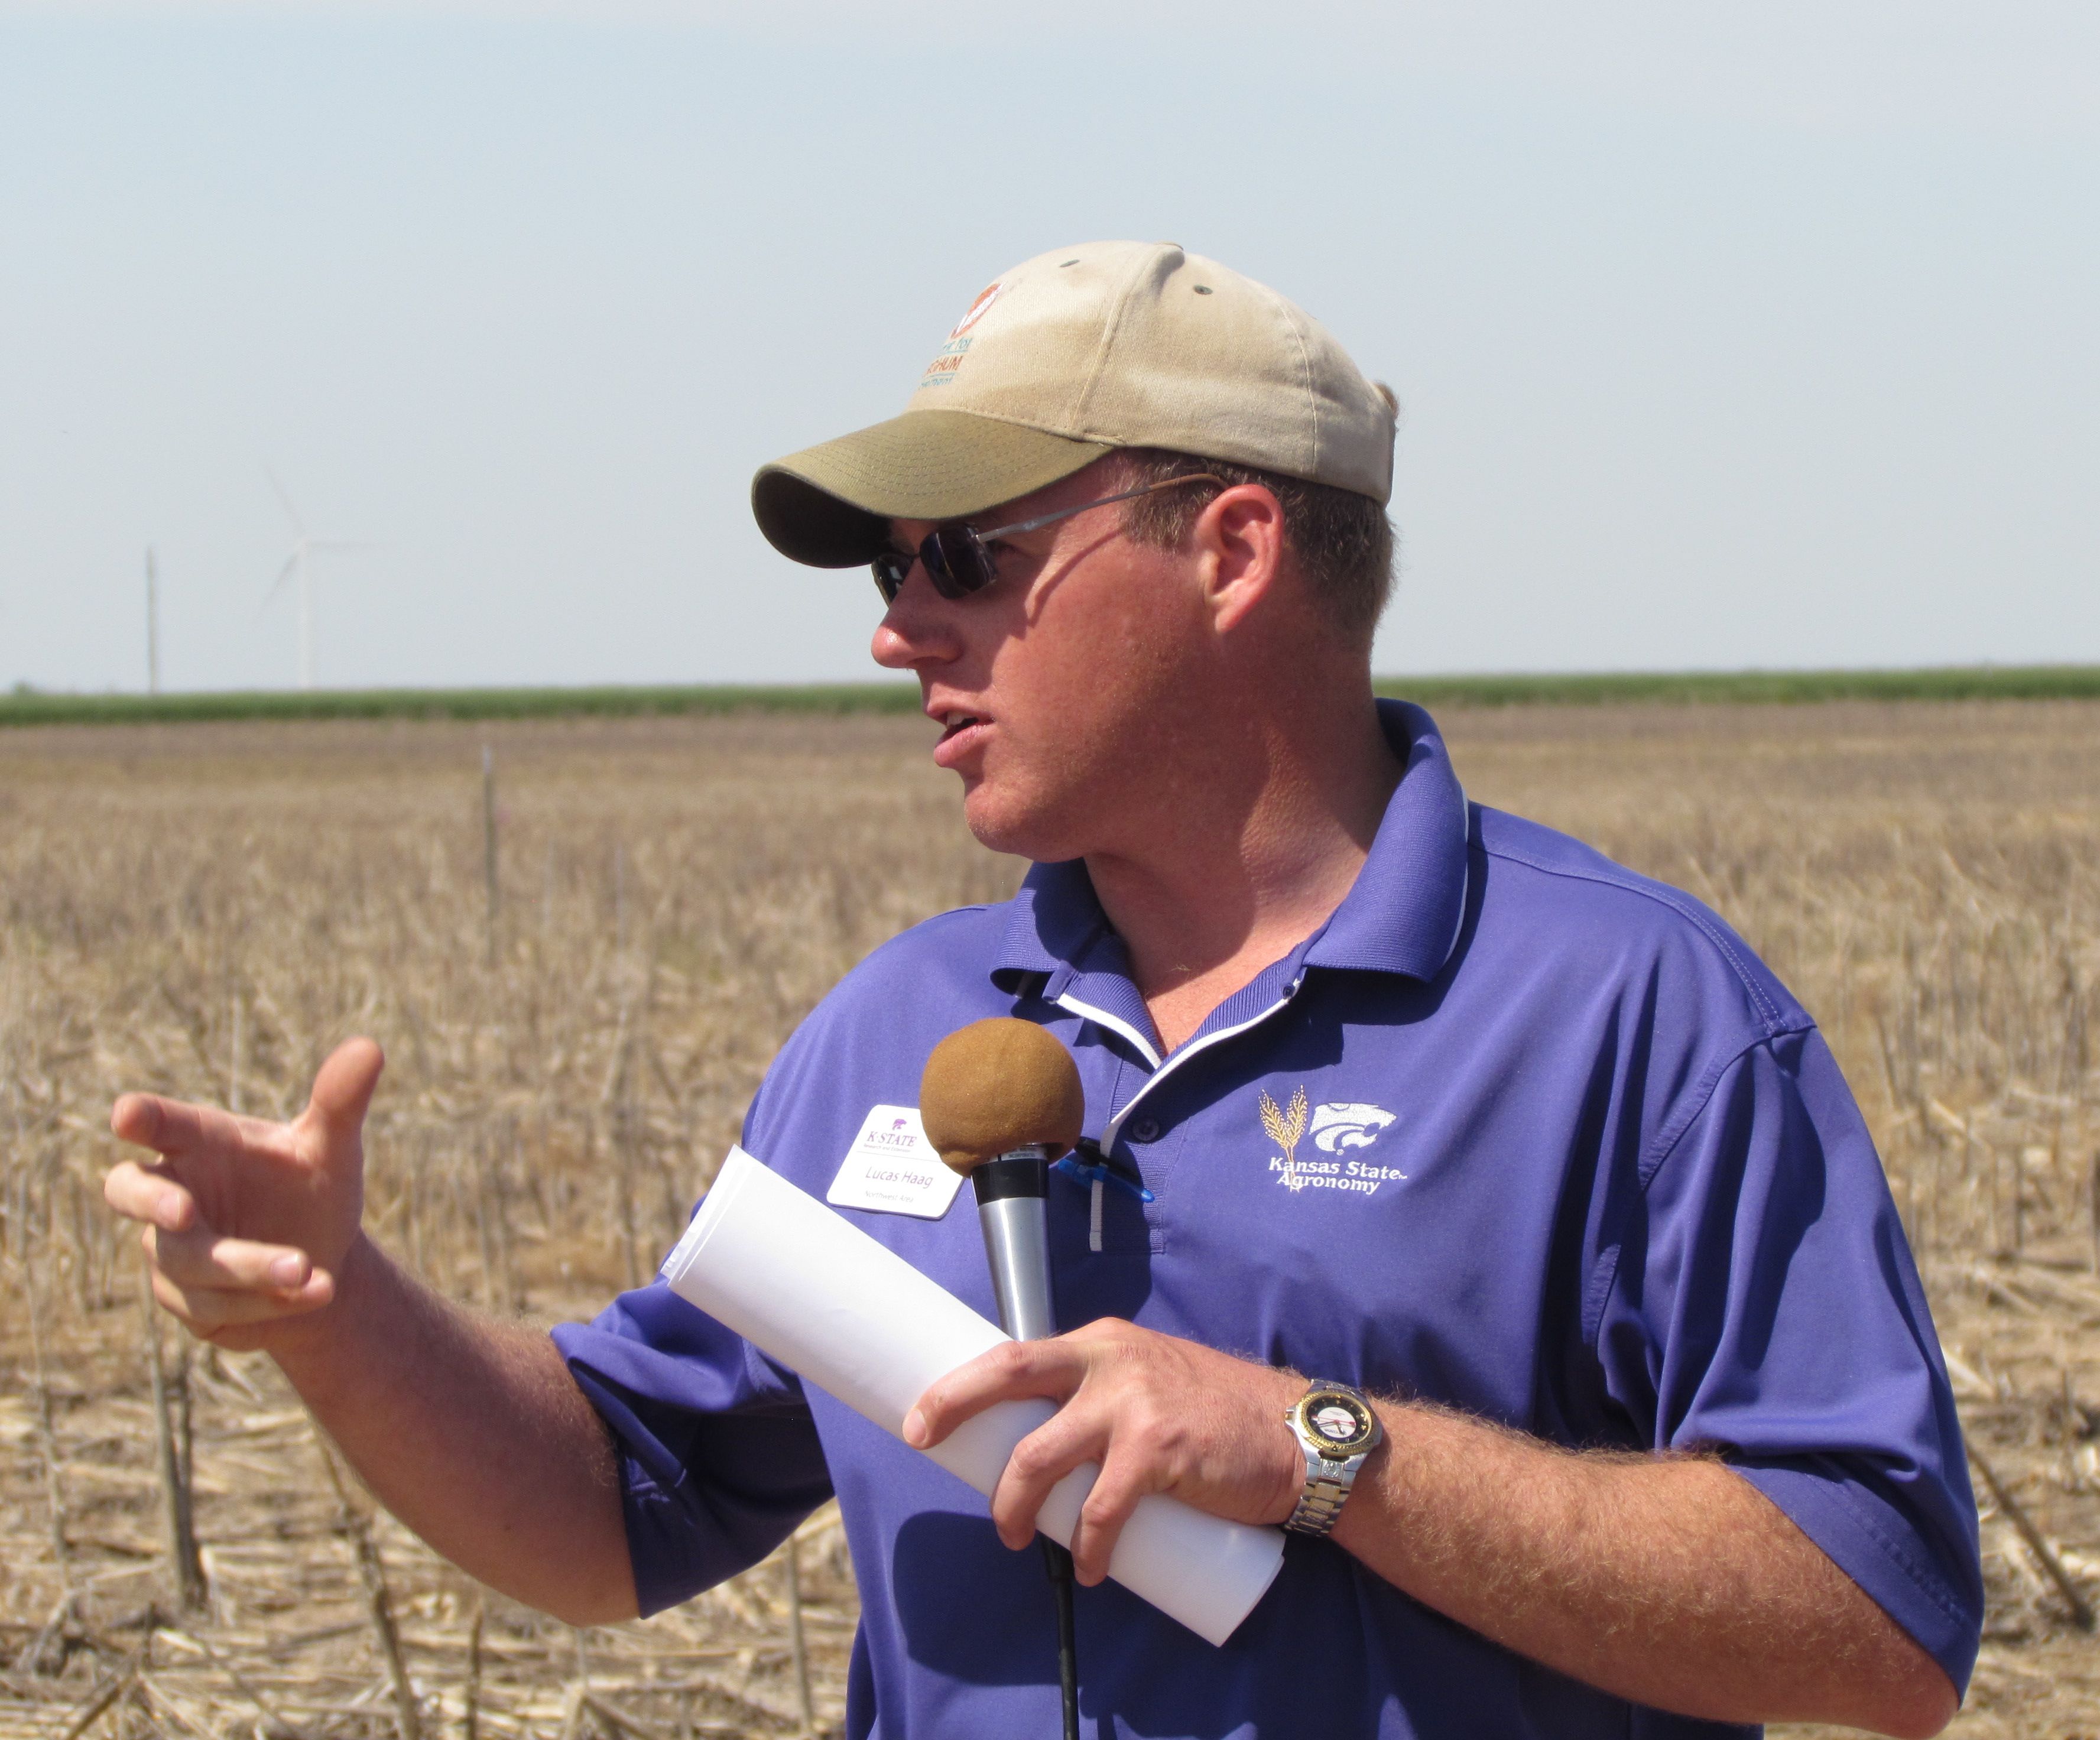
(343, 1089)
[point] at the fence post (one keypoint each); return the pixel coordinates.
(175, 1487)
(796, 1647)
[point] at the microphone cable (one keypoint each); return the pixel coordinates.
(1058, 1561)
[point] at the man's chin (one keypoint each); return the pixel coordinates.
(999, 824)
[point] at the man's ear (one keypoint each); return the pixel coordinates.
(1241, 552)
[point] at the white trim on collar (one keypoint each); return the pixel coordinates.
(1161, 1070)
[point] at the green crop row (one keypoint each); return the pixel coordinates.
(1978, 682)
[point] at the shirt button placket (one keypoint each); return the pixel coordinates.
(1142, 1132)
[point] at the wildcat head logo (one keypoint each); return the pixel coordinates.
(1339, 1127)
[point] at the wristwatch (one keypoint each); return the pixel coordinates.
(1337, 1431)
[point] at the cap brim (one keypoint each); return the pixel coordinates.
(829, 507)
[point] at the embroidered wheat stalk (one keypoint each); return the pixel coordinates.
(1285, 1129)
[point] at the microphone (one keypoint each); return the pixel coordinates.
(1001, 1099)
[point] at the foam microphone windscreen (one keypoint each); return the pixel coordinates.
(997, 1085)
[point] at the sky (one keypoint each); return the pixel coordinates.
(1726, 337)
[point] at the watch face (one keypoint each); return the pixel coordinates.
(1338, 1422)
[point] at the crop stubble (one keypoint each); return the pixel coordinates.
(203, 910)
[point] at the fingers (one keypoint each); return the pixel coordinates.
(173, 1127)
(1124, 1479)
(1010, 1371)
(211, 1282)
(208, 1311)
(199, 1259)
(342, 1090)
(143, 1193)
(1072, 1439)
(341, 1093)
(1074, 1434)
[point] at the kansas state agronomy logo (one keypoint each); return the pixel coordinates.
(1340, 1129)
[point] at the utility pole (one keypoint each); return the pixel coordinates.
(488, 841)
(306, 618)
(152, 626)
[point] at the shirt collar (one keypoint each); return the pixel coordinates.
(1402, 915)
(1053, 924)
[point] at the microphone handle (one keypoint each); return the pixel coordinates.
(1011, 1193)
(1013, 1196)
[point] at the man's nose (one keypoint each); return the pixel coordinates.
(918, 628)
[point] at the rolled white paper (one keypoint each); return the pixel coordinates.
(811, 1290)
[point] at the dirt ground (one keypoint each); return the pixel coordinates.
(203, 909)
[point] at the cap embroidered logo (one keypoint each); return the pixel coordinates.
(976, 311)
(942, 368)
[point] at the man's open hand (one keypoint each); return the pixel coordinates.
(1158, 1415)
(247, 1222)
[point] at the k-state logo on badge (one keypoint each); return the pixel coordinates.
(893, 1169)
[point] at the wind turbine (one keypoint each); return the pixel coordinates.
(300, 564)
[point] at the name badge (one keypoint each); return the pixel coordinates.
(893, 1169)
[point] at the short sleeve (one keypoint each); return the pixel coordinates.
(1765, 1304)
(718, 1456)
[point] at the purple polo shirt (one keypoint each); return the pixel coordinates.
(1567, 1156)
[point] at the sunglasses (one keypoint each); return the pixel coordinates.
(959, 558)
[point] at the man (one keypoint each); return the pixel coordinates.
(1655, 1418)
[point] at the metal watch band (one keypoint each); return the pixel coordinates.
(1318, 1505)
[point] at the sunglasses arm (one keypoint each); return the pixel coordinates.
(1129, 495)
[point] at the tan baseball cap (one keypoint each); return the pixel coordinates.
(1070, 357)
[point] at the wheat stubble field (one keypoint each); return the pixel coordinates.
(203, 909)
